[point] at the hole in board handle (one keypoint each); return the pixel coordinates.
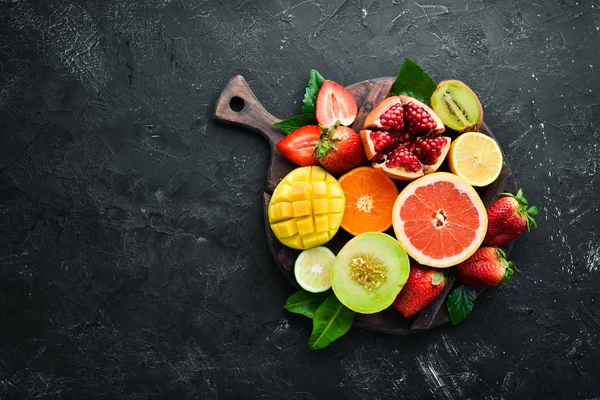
(237, 104)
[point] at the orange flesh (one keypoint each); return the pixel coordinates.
(442, 214)
(370, 198)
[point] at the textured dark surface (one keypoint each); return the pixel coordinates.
(133, 259)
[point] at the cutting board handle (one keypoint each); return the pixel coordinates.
(237, 105)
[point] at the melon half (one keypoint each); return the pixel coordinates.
(369, 272)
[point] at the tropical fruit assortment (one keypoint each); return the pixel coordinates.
(412, 224)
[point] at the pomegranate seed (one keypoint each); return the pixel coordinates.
(417, 119)
(401, 157)
(383, 141)
(393, 118)
(428, 150)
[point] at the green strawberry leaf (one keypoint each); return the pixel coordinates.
(305, 303)
(532, 210)
(460, 303)
(309, 101)
(413, 81)
(507, 274)
(291, 124)
(531, 221)
(438, 278)
(331, 321)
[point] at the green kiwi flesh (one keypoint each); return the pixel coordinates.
(457, 106)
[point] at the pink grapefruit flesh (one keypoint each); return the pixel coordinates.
(439, 219)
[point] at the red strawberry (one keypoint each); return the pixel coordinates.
(421, 288)
(486, 267)
(507, 219)
(334, 103)
(340, 149)
(299, 145)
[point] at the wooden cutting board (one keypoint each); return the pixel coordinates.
(237, 105)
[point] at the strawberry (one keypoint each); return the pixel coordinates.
(507, 219)
(486, 267)
(299, 145)
(334, 103)
(340, 149)
(421, 288)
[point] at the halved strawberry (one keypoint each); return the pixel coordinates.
(299, 145)
(334, 103)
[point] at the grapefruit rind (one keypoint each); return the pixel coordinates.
(391, 256)
(461, 185)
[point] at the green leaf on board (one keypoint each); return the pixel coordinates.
(413, 81)
(305, 303)
(309, 101)
(460, 303)
(291, 124)
(331, 321)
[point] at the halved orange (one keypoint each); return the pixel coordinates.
(370, 198)
(440, 220)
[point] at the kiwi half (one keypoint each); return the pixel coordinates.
(369, 272)
(457, 106)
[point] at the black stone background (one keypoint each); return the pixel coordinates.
(133, 259)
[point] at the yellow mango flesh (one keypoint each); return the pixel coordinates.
(307, 208)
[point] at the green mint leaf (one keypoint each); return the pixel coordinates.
(413, 81)
(460, 303)
(291, 124)
(305, 303)
(309, 102)
(331, 321)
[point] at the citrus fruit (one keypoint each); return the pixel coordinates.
(476, 158)
(370, 197)
(306, 208)
(439, 219)
(313, 269)
(369, 272)
(457, 106)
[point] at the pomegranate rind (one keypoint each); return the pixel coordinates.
(399, 174)
(373, 120)
(369, 146)
(418, 254)
(440, 127)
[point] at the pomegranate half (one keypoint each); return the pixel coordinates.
(401, 137)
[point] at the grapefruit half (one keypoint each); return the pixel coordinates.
(439, 219)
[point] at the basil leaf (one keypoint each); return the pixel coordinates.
(460, 303)
(290, 125)
(413, 81)
(309, 102)
(305, 303)
(331, 321)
